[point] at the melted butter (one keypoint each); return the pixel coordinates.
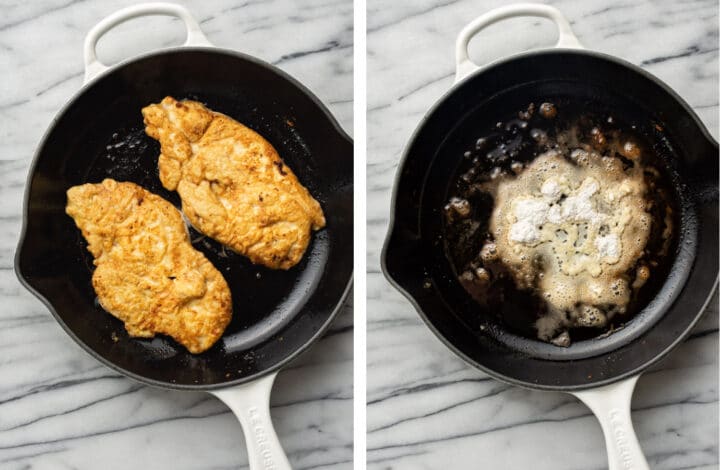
(572, 230)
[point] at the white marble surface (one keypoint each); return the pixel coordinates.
(427, 409)
(59, 408)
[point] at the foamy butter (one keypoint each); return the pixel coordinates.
(572, 230)
(561, 206)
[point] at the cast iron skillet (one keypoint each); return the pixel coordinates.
(413, 257)
(276, 314)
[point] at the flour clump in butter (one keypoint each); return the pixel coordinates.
(571, 229)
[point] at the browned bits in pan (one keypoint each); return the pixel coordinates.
(642, 274)
(562, 340)
(457, 208)
(488, 252)
(631, 150)
(482, 275)
(481, 143)
(539, 136)
(598, 138)
(548, 110)
(528, 113)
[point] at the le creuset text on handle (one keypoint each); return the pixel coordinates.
(611, 406)
(251, 404)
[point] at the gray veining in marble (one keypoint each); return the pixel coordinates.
(59, 408)
(427, 409)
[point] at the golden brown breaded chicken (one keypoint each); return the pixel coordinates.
(146, 272)
(234, 186)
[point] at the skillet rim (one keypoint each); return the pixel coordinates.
(25, 216)
(391, 230)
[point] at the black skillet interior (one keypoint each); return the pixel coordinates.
(415, 262)
(276, 314)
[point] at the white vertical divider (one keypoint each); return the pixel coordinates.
(360, 219)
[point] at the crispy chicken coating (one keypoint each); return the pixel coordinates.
(147, 273)
(234, 186)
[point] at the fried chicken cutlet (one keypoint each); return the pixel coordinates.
(147, 273)
(234, 186)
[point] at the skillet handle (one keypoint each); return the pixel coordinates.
(94, 67)
(611, 406)
(464, 66)
(251, 404)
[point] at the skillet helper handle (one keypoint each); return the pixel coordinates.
(251, 404)
(611, 406)
(464, 66)
(93, 67)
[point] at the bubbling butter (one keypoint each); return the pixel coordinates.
(572, 230)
